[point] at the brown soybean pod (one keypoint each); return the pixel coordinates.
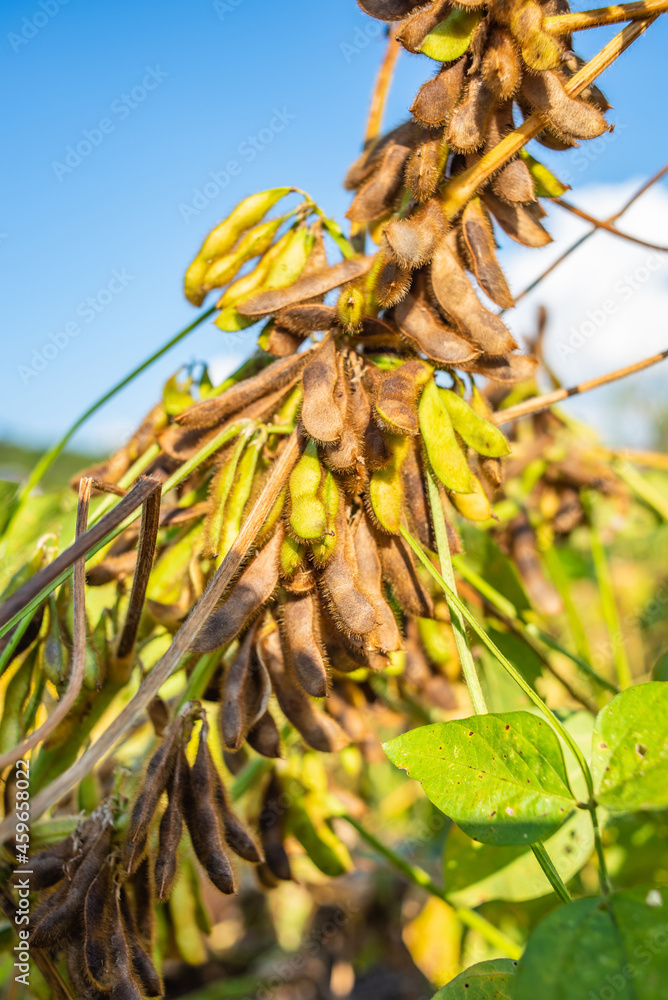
(321, 414)
(350, 607)
(157, 775)
(253, 589)
(271, 824)
(386, 634)
(438, 97)
(141, 961)
(264, 737)
(97, 921)
(479, 237)
(303, 644)
(245, 694)
(236, 835)
(169, 834)
(200, 815)
(124, 984)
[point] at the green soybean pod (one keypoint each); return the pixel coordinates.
(386, 490)
(479, 433)
(446, 457)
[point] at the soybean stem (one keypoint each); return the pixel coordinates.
(551, 873)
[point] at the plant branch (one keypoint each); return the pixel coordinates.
(183, 639)
(607, 226)
(418, 876)
(459, 190)
(583, 239)
(382, 88)
(459, 629)
(563, 24)
(41, 583)
(47, 460)
(537, 403)
(78, 643)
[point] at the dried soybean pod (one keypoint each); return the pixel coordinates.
(377, 196)
(396, 403)
(169, 834)
(253, 589)
(59, 921)
(97, 922)
(48, 867)
(279, 374)
(307, 318)
(478, 432)
(390, 280)
(245, 694)
(141, 962)
(421, 326)
(272, 818)
(264, 737)
(425, 167)
(319, 731)
(321, 411)
(157, 775)
(237, 836)
(470, 119)
(197, 807)
(412, 241)
(124, 984)
(569, 116)
(514, 183)
(413, 30)
(143, 895)
(417, 508)
(519, 222)
(457, 298)
(508, 368)
(303, 646)
(400, 573)
(475, 506)
(307, 287)
(386, 634)
(540, 51)
(386, 493)
(479, 238)
(437, 98)
(350, 607)
(445, 456)
(501, 68)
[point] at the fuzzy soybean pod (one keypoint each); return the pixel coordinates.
(324, 406)
(396, 403)
(253, 589)
(475, 505)
(264, 737)
(350, 608)
(142, 964)
(219, 490)
(479, 238)
(54, 661)
(60, 921)
(142, 884)
(199, 812)
(438, 97)
(413, 241)
(169, 834)
(569, 116)
(428, 333)
(330, 496)
(302, 642)
(445, 455)
(48, 867)
(237, 837)
(386, 491)
(158, 773)
(124, 984)
(245, 694)
(318, 730)
(308, 516)
(272, 822)
(239, 495)
(385, 635)
(520, 222)
(540, 50)
(97, 923)
(477, 432)
(16, 695)
(400, 574)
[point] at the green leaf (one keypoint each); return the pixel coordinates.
(494, 980)
(451, 38)
(630, 750)
(593, 949)
(501, 778)
(660, 672)
(475, 873)
(545, 184)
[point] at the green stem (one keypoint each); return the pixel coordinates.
(226, 434)
(517, 677)
(199, 678)
(551, 873)
(609, 605)
(643, 489)
(556, 571)
(8, 651)
(47, 460)
(603, 876)
(459, 629)
(418, 876)
(528, 629)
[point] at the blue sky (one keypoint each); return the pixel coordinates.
(166, 94)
